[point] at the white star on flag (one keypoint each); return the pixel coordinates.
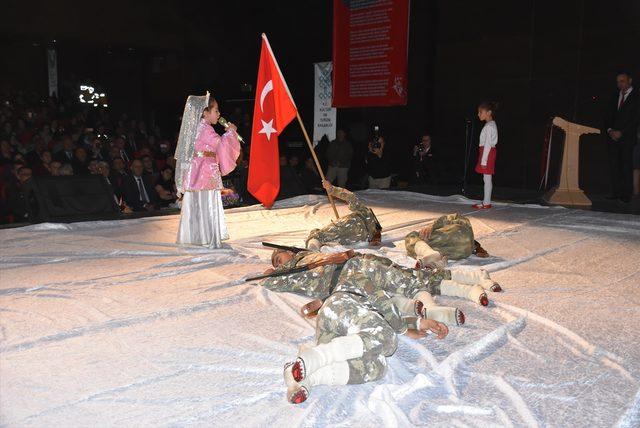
(267, 128)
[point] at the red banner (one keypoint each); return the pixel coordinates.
(370, 48)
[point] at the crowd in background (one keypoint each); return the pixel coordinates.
(45, 138)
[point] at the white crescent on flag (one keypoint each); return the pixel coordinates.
(268, 87)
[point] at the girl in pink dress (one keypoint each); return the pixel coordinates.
(487, 154)
(214, 156)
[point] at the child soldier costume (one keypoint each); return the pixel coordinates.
(361, 225)
(356, 330)
(450, 235)
(404, 285)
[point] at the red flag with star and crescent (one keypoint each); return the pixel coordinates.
(273, 110)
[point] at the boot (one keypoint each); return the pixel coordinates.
(475, 277)
(339, 349)
(475, 293)
(332, 374)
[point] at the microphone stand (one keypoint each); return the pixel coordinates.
(468, 134)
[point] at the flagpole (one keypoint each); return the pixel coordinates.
(315, 158)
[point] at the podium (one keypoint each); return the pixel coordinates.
(568, 192)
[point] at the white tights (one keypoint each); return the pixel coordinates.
(488, 187)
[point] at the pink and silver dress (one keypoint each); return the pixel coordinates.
(202, 216)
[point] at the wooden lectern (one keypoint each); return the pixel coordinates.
(568, 191)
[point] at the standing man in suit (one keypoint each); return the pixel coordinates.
(138, 190)
(620, 125)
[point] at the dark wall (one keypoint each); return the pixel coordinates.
(538, 58)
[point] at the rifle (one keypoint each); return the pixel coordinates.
(281, 273)
(337, 259)
(294, 250)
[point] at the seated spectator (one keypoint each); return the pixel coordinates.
(290, 184)
(138, 189)
(6, 153)
(377, 165)
(19, 194)
(103, 169)
(97, 152)
(93, 167)
(339, 154)
(42, 165)
(166, 187)
(294, 163)
(66, 154)
(149, 167)
(65, 170)
(54, 168)
(311, 177)
(81, 162)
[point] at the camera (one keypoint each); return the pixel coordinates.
(375, 144)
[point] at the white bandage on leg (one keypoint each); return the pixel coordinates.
(444, 314)
(453, 288)
(339, 349)
(427, 255)
(426, 298)
(314, 244)
(332, 374)
(407, 307)
(472, 277)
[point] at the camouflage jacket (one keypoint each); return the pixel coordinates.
(451, 235)
(359, 226)
(375, 274)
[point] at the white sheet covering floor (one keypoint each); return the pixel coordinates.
(111, 324)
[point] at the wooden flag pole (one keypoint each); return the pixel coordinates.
(315, 158)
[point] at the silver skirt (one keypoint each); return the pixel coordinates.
(202, 219)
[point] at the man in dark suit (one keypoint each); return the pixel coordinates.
(66, 155)
(138, 190)
(620, 125)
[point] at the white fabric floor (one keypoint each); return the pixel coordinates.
(112, 324)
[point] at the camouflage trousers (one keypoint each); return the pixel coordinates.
(451, 235)
(344, 314)
(394, 279)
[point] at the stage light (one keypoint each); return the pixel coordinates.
(88, 95)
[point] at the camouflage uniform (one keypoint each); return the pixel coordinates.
(451, 235)
(382, 272)
(358, 300)
(356, 307)
(359, 226)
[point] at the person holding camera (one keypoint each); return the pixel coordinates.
(377, 166)
(425, 168)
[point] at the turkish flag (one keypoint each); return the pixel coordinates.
(273, 110)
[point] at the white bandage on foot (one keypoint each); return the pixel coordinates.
(332, 374)
(427, 255)
(426, 298)
(339, 349)
(452, 288)
(472, 277)
(444, 314)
